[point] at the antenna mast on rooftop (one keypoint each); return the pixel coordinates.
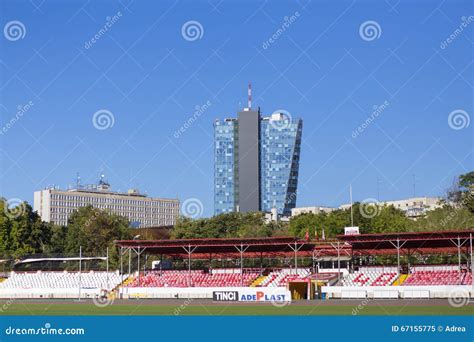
(249, 92)
(78, 180)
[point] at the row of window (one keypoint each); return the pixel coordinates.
(120, 210)
(58, 199)
(62, 219)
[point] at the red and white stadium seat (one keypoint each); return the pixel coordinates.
(440, 277)
(369, 278)
(283, 277)
(198, 279)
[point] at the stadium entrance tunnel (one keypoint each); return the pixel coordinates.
(298, 290)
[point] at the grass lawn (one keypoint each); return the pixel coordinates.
(142, 308)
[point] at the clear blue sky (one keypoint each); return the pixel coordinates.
(319, 68)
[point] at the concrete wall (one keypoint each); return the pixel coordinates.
(196, 292)
(249, 161)
(47, 293)
(408, 292)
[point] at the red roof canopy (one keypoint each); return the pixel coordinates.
(364, 244)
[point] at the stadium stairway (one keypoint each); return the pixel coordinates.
(127, 281)
(258, 281)
(400, 280)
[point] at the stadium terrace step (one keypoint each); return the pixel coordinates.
(258, 281)
(441, 277)
(400, 280)
(193, 279)
(369, 278)
(62, 280)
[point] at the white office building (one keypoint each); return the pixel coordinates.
(413, 207)
(55, 205)
(314, 210)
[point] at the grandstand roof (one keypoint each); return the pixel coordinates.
(363, 244)
(435, 241)
(228, 247)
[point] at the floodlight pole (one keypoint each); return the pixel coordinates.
(189, 250)
(338, 249)
(398, 247)
(138, 265)
(338, 261)
(80, 269)
(121, 272)
(352, 213)
(472, 261)
(241, 251)
(139, 252)
(458, 244)
(107, 269)
(295, 249)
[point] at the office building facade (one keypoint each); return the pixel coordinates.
(256, 162)
(55, 205)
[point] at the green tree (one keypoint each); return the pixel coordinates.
(28, 233)
(463, 191)
(95, 230)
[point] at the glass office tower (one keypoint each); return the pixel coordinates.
(280, 144)
(225, 140)
(256, 162)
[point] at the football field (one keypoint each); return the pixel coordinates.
(178, 307)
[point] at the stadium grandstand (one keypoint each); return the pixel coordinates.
(350, 266)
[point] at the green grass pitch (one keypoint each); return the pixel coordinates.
(144, 308)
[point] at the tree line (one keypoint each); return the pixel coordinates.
(22, 232)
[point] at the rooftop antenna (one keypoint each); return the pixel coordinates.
(414, 185)
(78, 180)
(249, 92)
(378, 188)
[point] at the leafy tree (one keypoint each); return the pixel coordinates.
(446, 218)
(28, 233)
(224, 225)
(463, 191)
(58, 239)
(95, 230)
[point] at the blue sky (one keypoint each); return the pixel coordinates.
(323, 67)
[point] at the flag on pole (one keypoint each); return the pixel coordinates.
(323, 235)
(307, 235)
